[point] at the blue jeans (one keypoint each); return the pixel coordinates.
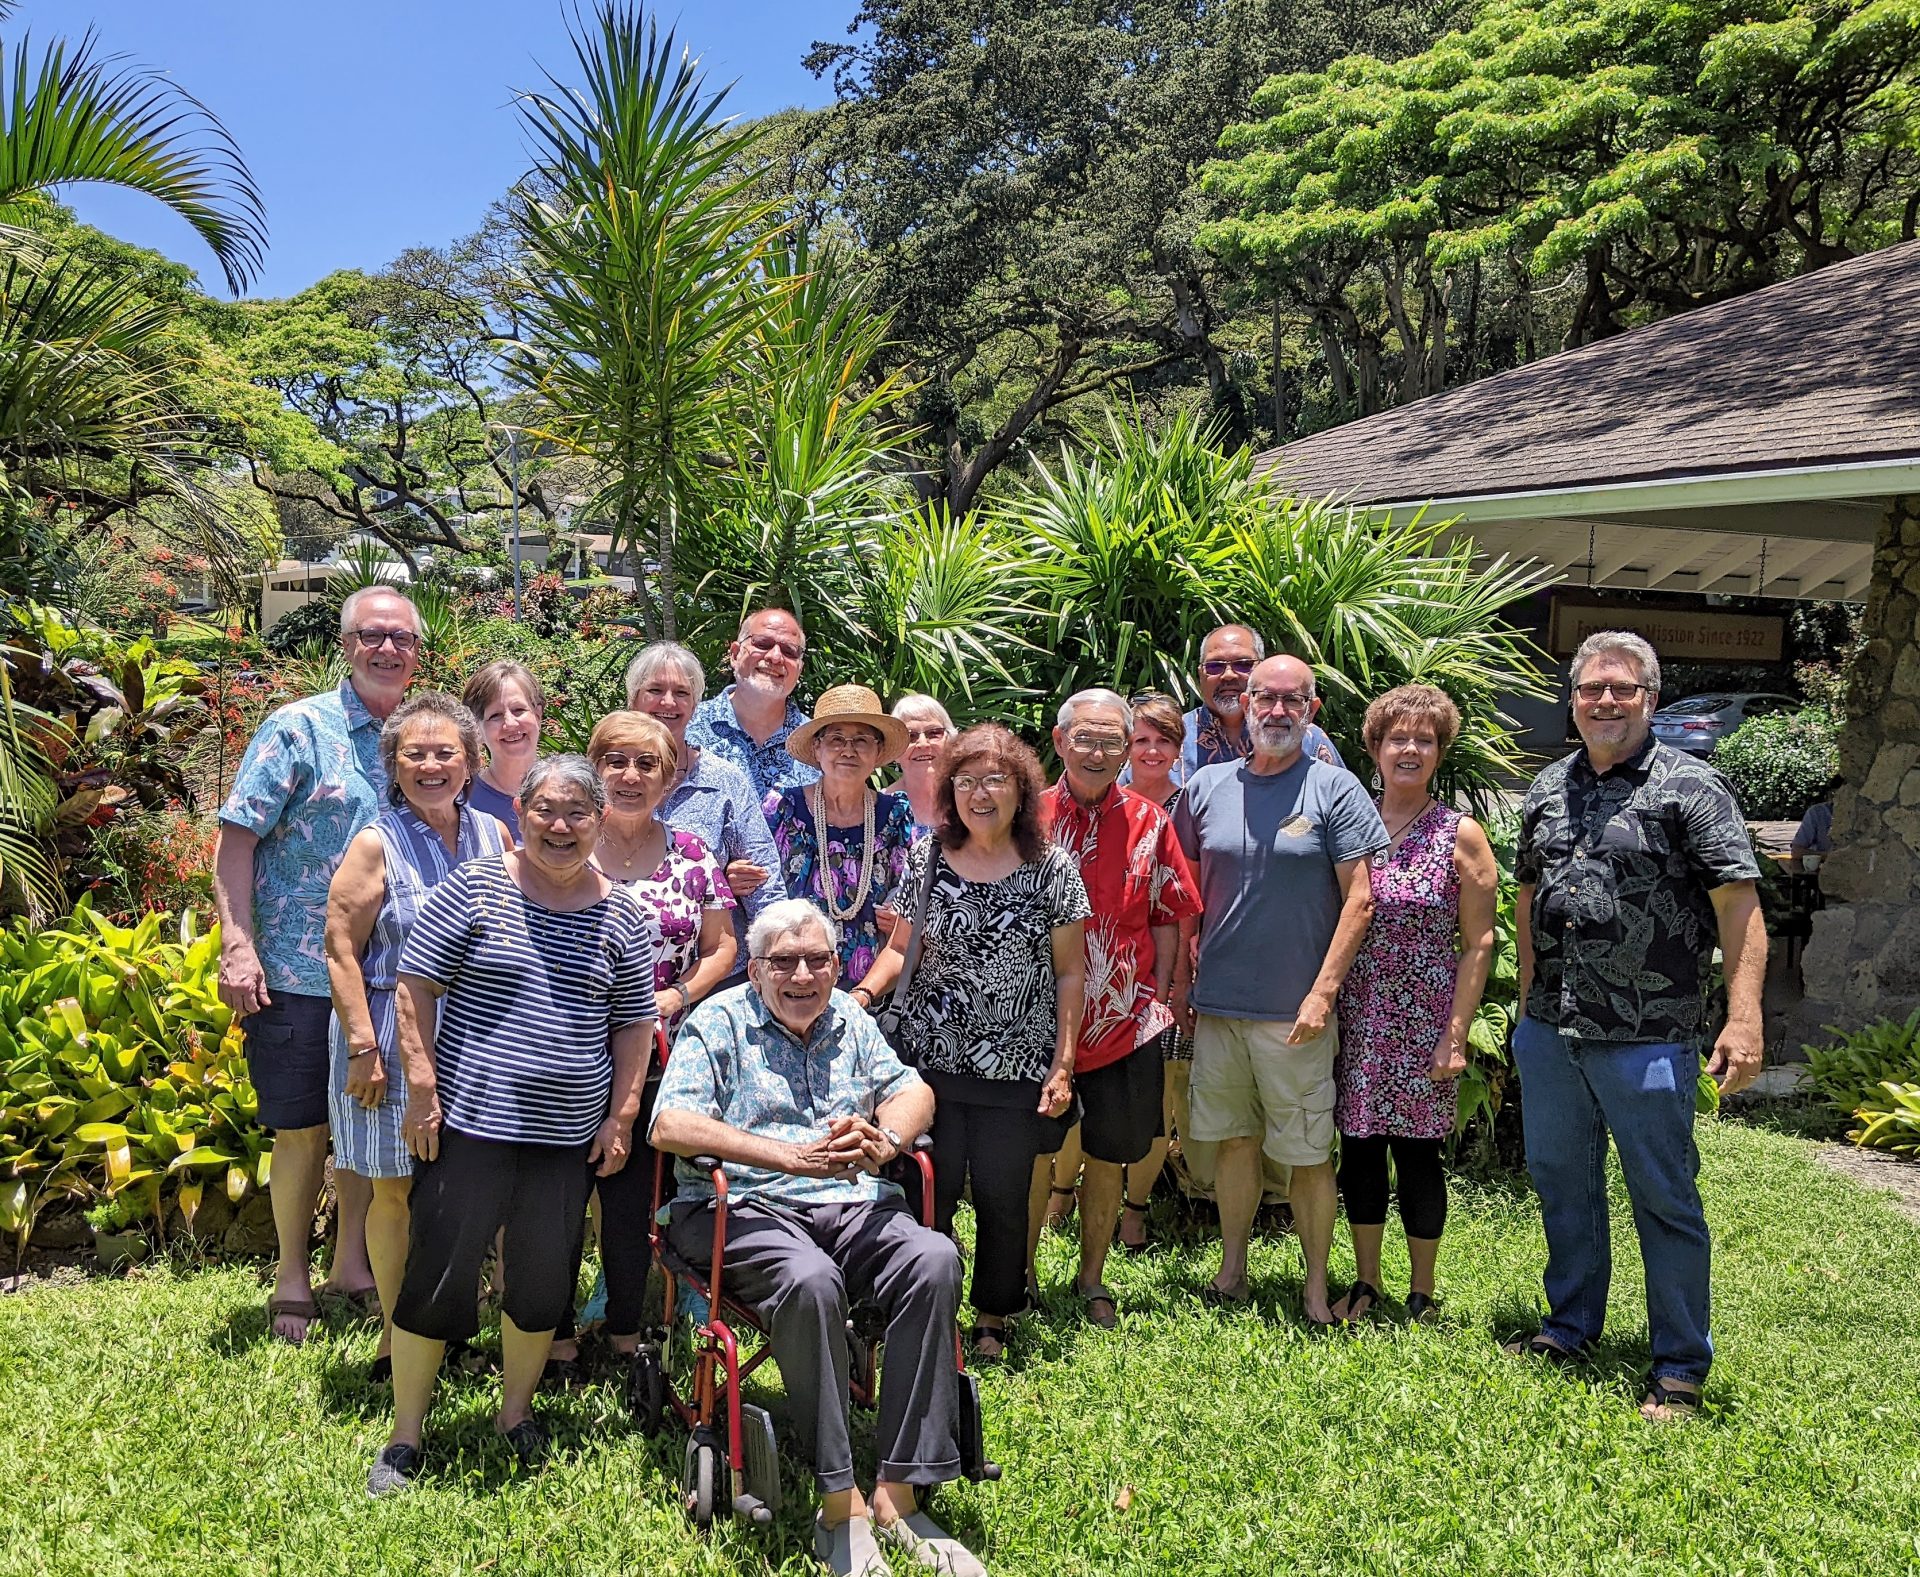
(1573, 1094)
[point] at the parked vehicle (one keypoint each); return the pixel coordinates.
(1700, 722)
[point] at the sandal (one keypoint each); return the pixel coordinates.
(1140, 1211)
(1422, 1308)
(1666, 1403)
(1358, 1291)
(1090, 1297)
(303, 1309)
(1056, 1217)
(529, 1440)
(989, 1342)
(1221, 1298)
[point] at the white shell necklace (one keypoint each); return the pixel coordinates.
(816, 802)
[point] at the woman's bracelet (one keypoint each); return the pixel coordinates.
(865, 996)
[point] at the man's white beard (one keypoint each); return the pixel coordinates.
(1276, 739)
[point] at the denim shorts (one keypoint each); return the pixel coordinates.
(288, 1060)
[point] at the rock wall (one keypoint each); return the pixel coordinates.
(1863, 960)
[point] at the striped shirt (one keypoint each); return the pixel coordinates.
(523, 1051)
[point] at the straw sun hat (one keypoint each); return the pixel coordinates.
(848, 703)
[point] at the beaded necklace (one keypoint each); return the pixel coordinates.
(816, 802)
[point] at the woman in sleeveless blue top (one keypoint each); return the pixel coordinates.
(431, 749)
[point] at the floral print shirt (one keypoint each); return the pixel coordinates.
(738, 1064)
(687, 884)
(794, 835)
(716, 727)
(1621, 863)
(309, 781)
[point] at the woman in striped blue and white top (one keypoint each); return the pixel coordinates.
(430, 748)
(526, 1018)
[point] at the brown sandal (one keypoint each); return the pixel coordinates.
(291, 1309)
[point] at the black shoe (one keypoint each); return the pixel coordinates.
(393, 1471)
(380, 1371)
(1422, 1309)
(529, 1440)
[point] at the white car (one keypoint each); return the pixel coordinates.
(1700, 722)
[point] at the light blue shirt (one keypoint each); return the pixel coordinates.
(310, 779)
(716, 727)
(735, 1062)
(716, 803)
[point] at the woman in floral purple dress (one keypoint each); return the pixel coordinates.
(1410, 997)
(867, 834)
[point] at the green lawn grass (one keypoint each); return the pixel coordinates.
(148, 1427)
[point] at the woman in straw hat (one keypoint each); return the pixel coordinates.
(842, 846)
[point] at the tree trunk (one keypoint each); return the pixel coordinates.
(1279, 381)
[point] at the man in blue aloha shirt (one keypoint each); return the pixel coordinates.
(748, 722)
(311, 778)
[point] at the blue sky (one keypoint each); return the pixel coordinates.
(375, 125)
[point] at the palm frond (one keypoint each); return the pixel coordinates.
(68, 118)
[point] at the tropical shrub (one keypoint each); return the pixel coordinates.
(1780, 763)
(312, 623)
(1850, 1071)
(121, 1074)
(1892, 1119)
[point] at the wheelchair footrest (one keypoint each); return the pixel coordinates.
(761, 1456)
(973, 1441)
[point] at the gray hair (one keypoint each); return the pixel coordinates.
(1622, 643)
(784, 918)
(574, 772)
(431, 705)
(924, 705)
(741, 633)
(1096, 696)
(350, 609)
(654, 656)
(1259, 641)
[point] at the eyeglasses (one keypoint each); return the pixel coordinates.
(993, 782)
(562, 815)
(1267, 700)
(1620, 692)
(1097, 744)
(1220, 667)
(925, 734)
(400, 640)
(615, 762)
(784, 964)
(419, 755)
(767, 645)
(863, 740)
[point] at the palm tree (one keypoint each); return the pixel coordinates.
(88, 400)
(643, 254)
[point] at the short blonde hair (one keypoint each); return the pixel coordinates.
(1412, 703)
(627, 729)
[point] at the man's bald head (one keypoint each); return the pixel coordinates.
(1286, 674)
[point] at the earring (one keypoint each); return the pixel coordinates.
(1377, 784)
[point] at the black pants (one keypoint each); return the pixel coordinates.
(626, 1211)
(800, 1267)
(996, 1145)
(1416, 1165)
(474, 1188)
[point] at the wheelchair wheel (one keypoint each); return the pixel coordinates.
(860, 1364)
(697, 1478)
(646, 1392)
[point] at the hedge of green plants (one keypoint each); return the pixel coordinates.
(123, 1088)
(1873, 1076)
(1780, 763)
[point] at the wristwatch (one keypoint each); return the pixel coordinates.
(893, 1139)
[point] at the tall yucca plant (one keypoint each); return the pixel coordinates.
(643, 253)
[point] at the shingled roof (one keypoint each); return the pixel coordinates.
(1817, 371)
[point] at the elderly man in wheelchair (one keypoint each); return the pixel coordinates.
(790, 1087)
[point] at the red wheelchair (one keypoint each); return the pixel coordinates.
(727, 1434)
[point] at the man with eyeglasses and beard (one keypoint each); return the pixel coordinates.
(1281, 843)
(1217, 727)
(748, 722)
(310, 780)
(1633, 862)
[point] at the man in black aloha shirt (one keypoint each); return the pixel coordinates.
(1633, 860)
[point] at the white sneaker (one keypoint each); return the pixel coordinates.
(930, 1545)
(848, 1549)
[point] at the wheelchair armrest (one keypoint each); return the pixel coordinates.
(705, 1163)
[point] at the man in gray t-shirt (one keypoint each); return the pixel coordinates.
(1280, 843)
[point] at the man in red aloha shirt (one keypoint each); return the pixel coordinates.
(1141, 888)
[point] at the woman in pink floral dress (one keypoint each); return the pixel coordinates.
(1410, 997)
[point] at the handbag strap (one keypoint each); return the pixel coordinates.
(918, 933)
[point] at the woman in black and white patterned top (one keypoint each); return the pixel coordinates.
(992, 1017)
